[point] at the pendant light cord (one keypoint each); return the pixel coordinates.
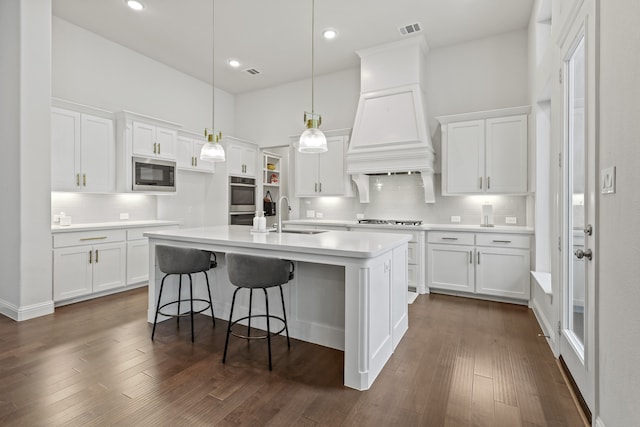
(313, 11)
(213, 66)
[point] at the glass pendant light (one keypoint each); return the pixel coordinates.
(312, 139)
(212, 149)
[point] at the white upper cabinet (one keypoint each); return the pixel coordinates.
(154, 141)
(241, 157)
(82, 152)
(323, 174)
(188, 154)
(485, 152)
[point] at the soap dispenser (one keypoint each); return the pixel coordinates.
(256, 221)
(262, 222)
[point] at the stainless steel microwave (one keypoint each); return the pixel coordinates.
(153, 174)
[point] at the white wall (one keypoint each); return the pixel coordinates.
(619, 236)
(25, 260)
(91, 70)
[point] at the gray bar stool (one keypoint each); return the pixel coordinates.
(174, 260)
(254, 272)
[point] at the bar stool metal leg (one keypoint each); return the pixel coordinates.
(206, 276)
(155, 321)
(249, 320)
(179, 298)
(226, 343)
(191, 300)
(266, 303)
(284, 315)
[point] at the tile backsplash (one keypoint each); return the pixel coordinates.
(402, 197)
(90, 208)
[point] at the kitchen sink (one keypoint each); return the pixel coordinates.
(304, 231)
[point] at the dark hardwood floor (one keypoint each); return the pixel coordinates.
(463, 362)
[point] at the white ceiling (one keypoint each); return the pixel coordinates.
(274, 36)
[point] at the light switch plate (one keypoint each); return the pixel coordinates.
(359, 216)
(455, 218)
(318, 214)
(511, 220)
(311, 214)
(608, 180)
(124, 216)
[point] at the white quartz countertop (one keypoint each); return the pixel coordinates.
(423, 227)
(111, 225)
(335, 243)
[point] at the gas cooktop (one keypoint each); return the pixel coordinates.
(391, 221)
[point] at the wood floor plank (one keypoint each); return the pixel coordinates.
(462, 362)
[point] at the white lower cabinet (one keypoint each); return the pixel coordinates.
(94, 262)
(480, 263)
(81, 266)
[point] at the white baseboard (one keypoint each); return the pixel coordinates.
(25, 313)
(599, 422)
(546, 327)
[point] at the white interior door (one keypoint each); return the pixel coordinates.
(577, 335)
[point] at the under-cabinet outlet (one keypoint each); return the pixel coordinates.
(318, 214)
(124, 216)
(511, 220)
(455, 218)
(359, 216)
(311, 214)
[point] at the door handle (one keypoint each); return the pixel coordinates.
(588, 230)
(588, 254)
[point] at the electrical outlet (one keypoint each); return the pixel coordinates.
(359, 216)
(455, 218)
(124, 216)
(318, 214)
(311, 214)
(511, 220)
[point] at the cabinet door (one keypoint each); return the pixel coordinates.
(235, 160)
(72, 272)
(331, 169)
(184, 153)
(144, 139)
(201, 165)
(503, 272)
(137, 261)
(97, 154)
(465, 158)
(166, 140)
(506, 154)
(65, 150)
(450, 267)
(306, 173)
(249, 155)
(109, 263)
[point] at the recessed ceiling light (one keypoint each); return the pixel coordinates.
(134, 4)
(330, 33)
(234, 63)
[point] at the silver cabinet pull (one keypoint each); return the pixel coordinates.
(588, 254)
(502, 241)
(93, 238)
(96, 256)
(449, 238)
(90, 257)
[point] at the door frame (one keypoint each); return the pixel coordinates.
(582, 23)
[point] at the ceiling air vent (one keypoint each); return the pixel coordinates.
(405, 30)
(252, 71)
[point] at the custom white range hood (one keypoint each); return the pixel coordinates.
(390, 133)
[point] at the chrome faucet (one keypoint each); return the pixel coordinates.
(279, 223)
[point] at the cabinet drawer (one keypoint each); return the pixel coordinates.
(62, 240)
(451, 237)
(138, 233)
(503, 240)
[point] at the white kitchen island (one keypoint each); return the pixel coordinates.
(349, 290)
